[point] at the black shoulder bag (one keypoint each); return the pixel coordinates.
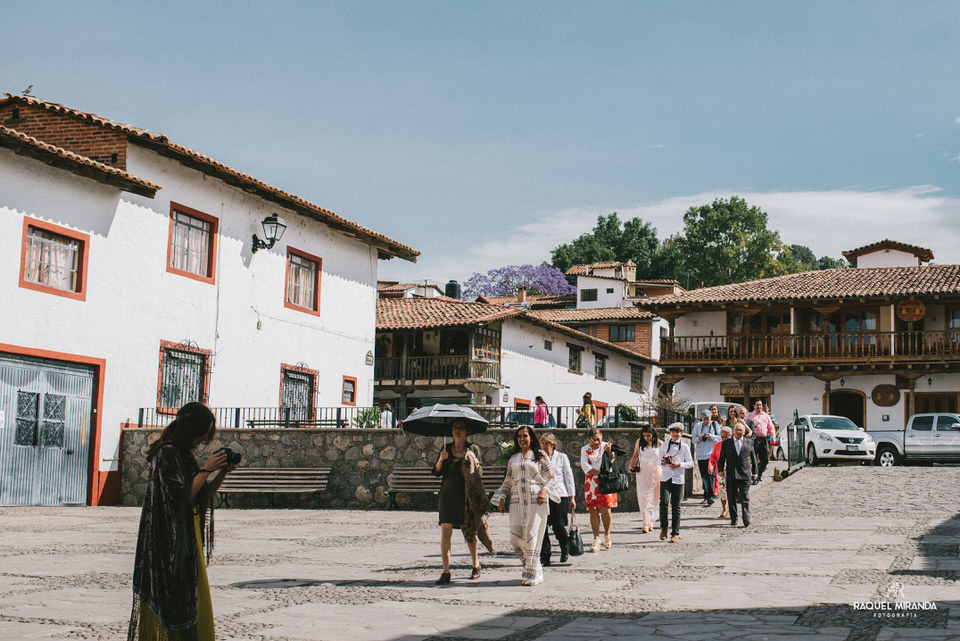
(610, 480)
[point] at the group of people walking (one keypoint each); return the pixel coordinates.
(539, 485)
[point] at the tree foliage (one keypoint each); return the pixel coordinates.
(504, 281)
(611, 240)
(728, 242)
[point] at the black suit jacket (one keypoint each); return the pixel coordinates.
(738, 466)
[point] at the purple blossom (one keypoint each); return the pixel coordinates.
(504, 281)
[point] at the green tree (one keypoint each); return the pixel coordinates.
(825, 262)
(610, 240)
(800, 258)
(728, 242)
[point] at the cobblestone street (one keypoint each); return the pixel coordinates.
(820, 542)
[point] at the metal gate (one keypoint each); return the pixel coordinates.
(45, 431)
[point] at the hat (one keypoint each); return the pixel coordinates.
(706, 413)
(675, 426)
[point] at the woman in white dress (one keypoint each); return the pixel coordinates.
(645, 462)
(529, 483)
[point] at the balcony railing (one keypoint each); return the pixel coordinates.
(800, 347)
(257, 417)
(435, 368)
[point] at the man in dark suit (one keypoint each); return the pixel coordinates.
(738, 459)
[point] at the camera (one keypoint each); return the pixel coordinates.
(668, 460)
(233, 458)
(635, 469)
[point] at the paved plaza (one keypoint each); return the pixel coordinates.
(822, 541)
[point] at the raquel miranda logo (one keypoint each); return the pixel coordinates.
(894, 605)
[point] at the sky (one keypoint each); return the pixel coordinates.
(487, 133)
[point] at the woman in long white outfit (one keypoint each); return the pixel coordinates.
(529, 483)
(645, 462)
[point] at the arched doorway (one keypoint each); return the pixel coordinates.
(849, 403)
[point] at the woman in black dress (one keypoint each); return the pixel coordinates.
(453, 495)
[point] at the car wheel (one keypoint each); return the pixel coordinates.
(780, 455)
(812, 455)
(888, 457)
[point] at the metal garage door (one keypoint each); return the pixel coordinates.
(45, 431)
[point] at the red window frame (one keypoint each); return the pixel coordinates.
(205, 375)
(84, 239)
(601, 409)
(343, 393)
(211, 275)
(312, 373)
(522, 401)
(291, 251)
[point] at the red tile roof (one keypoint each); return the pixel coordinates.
(586, 315)
(828, 284)
(410, 313)
(400, 287)
(922, 253)
(25, 145)
(583, 270)
(387, 247)
(425, 313)
(534, 301)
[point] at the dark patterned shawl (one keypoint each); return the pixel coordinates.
(475, 511)
(165, 569)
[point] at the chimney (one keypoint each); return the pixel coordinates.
(521, 294)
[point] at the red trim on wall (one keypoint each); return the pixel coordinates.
(180, 347)
(98, 480)
(211, 276)
(312, 373)
(343, 393)
(601, 409)
(84, 240)
(316, 290)
(522, 401)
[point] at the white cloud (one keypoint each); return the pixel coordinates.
(828, 222)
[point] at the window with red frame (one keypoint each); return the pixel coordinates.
(183, 376)
(193, 243)
(53, 259)
(349, 390)
(303, 281)
(297, 389)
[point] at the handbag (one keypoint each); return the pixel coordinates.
(610, 480)
(574, 540)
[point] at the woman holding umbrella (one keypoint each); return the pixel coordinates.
(453, 495)
(529, 482)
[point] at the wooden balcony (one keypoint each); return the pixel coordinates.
(434, 371)
(811, 348)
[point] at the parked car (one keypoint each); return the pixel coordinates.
(525, 417)
(925, 438)
(835, 438)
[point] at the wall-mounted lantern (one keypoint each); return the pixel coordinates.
(273, 228)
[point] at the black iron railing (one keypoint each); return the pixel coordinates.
(256, 417)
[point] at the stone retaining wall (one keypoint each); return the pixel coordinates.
(361, 460)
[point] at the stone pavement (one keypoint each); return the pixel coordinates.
(821, 541)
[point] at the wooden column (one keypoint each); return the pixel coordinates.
(825, 401)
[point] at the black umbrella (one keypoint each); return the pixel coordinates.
(437, 420)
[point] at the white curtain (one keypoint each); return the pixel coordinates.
(52, 261)
(191, 244)
(301, 282)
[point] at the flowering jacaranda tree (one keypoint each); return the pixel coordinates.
(504, 281)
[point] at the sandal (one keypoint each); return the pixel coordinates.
(475, 574)
(596, 544)
(606, 541)
(444, 579)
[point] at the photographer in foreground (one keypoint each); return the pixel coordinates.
(171, 595)
(675, 459)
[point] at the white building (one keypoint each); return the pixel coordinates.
(436, 350)
(875, 343)
(133, 282)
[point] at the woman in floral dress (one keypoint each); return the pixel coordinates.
(529, 483)
(591, 456)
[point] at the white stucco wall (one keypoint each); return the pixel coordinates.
(604, 299)
(701, 324)
(888, 258)
(132, 302)
(529, 370)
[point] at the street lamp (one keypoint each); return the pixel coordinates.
(273, 228)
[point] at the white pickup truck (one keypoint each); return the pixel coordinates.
(926, 438)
